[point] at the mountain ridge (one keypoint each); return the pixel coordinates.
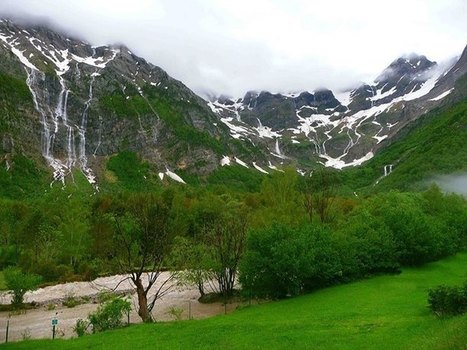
(89, 103)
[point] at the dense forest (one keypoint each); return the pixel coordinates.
(293, 235)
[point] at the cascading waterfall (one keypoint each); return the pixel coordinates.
(277, 149)
(48, 133)
(387, 169)
(51, 122)
(30, 81)
(61, 113)
(82, 137)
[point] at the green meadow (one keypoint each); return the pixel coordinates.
(384, 312)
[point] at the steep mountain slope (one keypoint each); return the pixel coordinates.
(348, 129)
(76, 104)
(67, 106)
(429, 147)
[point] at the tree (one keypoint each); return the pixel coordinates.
(19, 283)
(226, 239)
(193, 259)
(220, 225)
(142, 243)
(318, 192)
(281, 200)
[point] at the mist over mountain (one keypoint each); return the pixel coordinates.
(229, 48)
(82, 104)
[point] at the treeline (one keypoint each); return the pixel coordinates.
(294, 235)
(380, 235)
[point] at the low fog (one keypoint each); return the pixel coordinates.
(221, 46)
(452, 183)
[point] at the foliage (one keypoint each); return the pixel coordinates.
(379, 235)
(71, 301)
(23, 180)
(132, 173)
(109, 314)
(319, 190)
(282, 261)
(236, 177)
(192, 258)
(81, 327)
(448, 300)
(386, 312)
(432, 145)
(142, 242)
(19, 283)
(176, 313)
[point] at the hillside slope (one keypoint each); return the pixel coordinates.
(431, 146)
(67, 106)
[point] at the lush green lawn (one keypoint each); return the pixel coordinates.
(386, 312)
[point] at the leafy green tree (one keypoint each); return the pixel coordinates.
(221, 226)
(282, 260)
(194, 261)
(280, 199)
(141, 245)
(19, 283)
(318, 192)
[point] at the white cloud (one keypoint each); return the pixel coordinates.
(233, 46)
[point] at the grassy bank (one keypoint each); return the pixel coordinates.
(385, 312)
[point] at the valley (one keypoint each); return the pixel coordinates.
(292, 213)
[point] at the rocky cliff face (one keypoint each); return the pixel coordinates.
(70, 106)
(86, 103)
(348, 128)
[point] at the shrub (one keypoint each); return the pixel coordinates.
(109, 314)
(282, 261)
(175, 312)
(71, 301)
(19, 283)
(447, 301)
(81, 327)
(370, 245)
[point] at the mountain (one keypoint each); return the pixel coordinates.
(348, 128)
(67, 106)
(76, 105)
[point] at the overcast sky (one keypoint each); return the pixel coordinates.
(231, 46)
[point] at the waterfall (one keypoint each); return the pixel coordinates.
(82, 129)
(51, 123)
(48, 135)
(277, 149)
(259, 123)
(30, 81)
(61, 113)
(387, 169)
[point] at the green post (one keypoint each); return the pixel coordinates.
(54, 324)
(7, 329)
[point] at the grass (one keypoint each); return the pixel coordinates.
(385, 312)
(2, 281)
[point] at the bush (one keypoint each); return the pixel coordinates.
(109, 314)
(19, 283)
(447, 301)
(81, 327)
(282, 261)
(71, 301)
